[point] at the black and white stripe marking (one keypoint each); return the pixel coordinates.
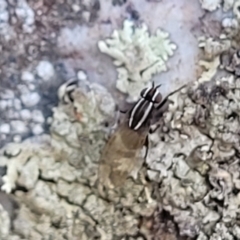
(143, 108)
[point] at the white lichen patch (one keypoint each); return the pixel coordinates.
(6, 30)
(213, 47)
(195, 157)
(210, 69)
(26, 15)
(137, 56)
(4, 223)
(59, 175)
(45, 70)
(228, 4)
(236, 8)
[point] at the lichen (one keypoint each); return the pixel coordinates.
(236, 9)
(228, 4)
(192, 166)
(195, 157)
(137, 56)
(213, 47)
(4, 223)
(54, 177)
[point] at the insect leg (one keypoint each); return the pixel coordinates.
(146, 187)
(117, 119)
(138, 164)
(146, 144)
(153, 130)
(140, 161)
(164, 101)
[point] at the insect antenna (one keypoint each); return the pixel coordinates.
(153, 130)
(158, 86)
(153, 83)
(146, 144)
(170, 94)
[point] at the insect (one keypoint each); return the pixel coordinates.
(122, 155)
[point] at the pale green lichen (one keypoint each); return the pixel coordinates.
(137, 56)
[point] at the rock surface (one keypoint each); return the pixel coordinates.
(53, 130)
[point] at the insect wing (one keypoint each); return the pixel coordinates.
(120, 156)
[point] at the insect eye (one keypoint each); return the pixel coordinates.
(158, 98)
(143, 93)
